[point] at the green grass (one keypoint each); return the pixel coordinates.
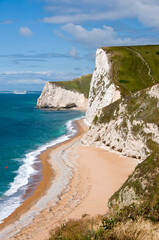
(129, 71)
(81, 85)
(152, 58)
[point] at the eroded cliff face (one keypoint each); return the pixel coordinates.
(127, 124)
(102, 90)
(54, 96)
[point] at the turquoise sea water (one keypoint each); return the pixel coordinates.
(25, 132)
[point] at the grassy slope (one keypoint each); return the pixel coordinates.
(134, 68)
(81, 84)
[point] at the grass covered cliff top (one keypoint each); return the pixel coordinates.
(134, 67)
(81, 85)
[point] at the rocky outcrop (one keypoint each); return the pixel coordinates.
(102, 90)
(54, 96)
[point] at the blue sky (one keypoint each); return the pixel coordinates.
(43, 40)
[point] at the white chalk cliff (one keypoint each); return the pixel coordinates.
(102, 90)
(54, 96)
(118, 132)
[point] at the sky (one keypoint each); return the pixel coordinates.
(56, 40)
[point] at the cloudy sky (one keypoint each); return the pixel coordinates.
(43, 40)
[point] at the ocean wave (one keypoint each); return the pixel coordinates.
(12, 198)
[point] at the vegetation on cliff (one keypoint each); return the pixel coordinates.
(81, 85)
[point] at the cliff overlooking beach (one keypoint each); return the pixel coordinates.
(111, 166)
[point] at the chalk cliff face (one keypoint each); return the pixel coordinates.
(126, 126)
(54, 96)
(102, 90)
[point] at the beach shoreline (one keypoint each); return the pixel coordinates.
(94, 175)
(43, 185)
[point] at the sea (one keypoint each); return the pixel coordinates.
(25, 132)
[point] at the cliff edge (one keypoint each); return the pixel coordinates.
(102, 90)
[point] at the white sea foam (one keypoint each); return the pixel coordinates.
(8, 206)
(12, 198)
(24, 172)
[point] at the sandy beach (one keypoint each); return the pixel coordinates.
(77, 180)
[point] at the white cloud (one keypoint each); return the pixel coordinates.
(73, 52)
(34, 78)
(97, 37)
(148, 14)
(146, 11)
(47, 73)
(25, 31)
(82, 17)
